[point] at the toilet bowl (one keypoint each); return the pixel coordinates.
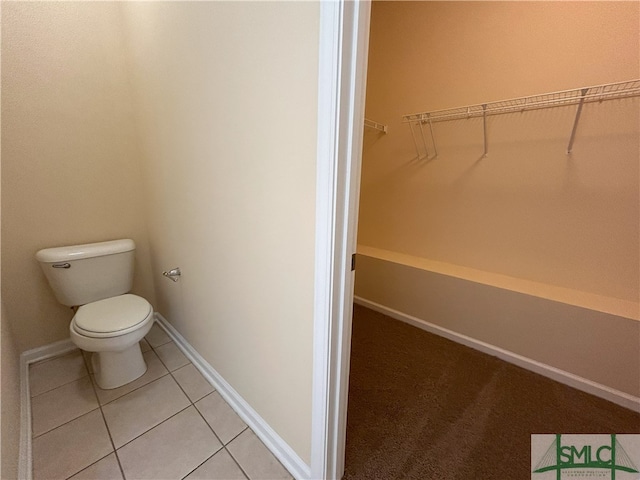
(112, 329)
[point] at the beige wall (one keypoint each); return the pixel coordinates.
(225, 112)
(226, 94)
(70, 166)
(527, 210)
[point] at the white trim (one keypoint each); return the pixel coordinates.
(328, 73)
(47, 351)
(282, 451)
(25, 458)
(569, 296)
(344, 29)
(325, 256)
(616, 396)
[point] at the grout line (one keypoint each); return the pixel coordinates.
(170, 372)
(234, 458)
(236, 462)
(62, 424)
(243, 430)
(166, 366)
(208, 425)
(208, 394)
(223, 445)
(55, 357)
(32, 365)
(152, 428)
(113, 445)
(130, 391)
(205, 461)
(216, 453)
(61, 385)
(161, 344)
(91, 465)
(157, 324)
(202, 416)
(192, 403)
(183, 390)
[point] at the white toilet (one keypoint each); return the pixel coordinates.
(109, 321)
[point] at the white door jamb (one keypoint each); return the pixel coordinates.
(344, 37)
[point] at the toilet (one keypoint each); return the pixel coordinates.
(109, 321)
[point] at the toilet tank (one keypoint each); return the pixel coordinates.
(81, 274)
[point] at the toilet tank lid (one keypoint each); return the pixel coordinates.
(88, 250)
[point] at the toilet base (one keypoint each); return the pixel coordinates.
(114, 369)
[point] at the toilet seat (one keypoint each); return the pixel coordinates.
(112, 317)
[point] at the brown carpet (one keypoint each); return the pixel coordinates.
(423, 407)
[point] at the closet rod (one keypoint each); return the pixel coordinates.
(375, 125)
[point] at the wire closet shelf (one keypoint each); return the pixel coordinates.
(576, 96)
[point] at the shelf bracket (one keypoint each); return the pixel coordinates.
(484, 128)
(413, 135)
(424, 142)
(576, 120)
(433, 140)
(375, 125)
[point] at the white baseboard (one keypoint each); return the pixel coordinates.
(25, 458)
(282, 451)
(620, 398)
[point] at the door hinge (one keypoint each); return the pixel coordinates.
(353, 262)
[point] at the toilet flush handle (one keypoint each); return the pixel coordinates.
(173, 274)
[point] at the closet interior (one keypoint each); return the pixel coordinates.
(509, 226)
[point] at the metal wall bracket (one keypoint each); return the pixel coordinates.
(375, 125)
(576, 120)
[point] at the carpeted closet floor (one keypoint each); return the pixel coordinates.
(423, 407)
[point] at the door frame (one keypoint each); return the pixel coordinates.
(343, 55)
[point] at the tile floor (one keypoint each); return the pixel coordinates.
(168, 424)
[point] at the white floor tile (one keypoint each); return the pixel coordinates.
(192, 382)
(144, 346)
(171, 450)
(224, 421)
(70, 448)
(254, 458)
(134, 413)
(158, 434)
(60, 405)
(171, 356)
(157, 336)
(50, 374)
(105, 469)
(220, 466)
